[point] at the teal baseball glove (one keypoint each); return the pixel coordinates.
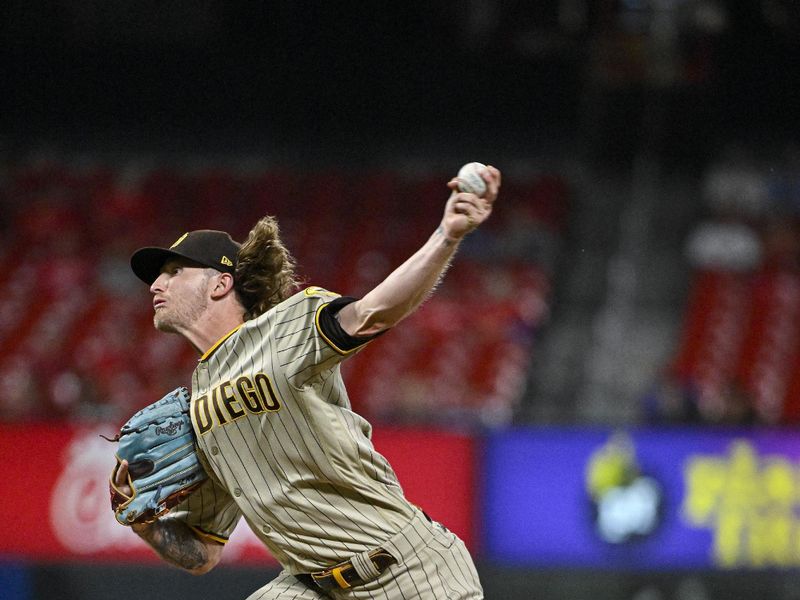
(158, 444)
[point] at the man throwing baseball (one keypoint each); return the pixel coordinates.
(273, 424)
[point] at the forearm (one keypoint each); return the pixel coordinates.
(411, 283)
(404, 290)
(177, 544)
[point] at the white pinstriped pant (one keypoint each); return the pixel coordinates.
(432, 564)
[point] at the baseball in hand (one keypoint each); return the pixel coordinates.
(470, 179)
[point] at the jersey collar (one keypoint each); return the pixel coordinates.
(219, 342)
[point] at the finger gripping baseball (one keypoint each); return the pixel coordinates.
(158, 444)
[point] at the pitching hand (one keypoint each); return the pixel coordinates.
(464, 211)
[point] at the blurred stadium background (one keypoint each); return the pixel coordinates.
(603, 396)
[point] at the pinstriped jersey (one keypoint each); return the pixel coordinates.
(282, 447)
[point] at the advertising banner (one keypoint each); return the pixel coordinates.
(54, 492)
(651, 499)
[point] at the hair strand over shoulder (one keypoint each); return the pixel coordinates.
(265, 270)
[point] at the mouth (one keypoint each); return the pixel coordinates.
(158, 303)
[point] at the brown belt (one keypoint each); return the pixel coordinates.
(344, 575)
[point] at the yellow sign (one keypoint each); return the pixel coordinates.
(749, 502)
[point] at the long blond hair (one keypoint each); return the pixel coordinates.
(265, 270)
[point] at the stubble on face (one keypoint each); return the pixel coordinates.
(181, 311)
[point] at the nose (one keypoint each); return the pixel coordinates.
(159, 284)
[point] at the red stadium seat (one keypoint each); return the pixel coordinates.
(462, 357)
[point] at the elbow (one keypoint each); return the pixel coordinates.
(380, 318)
(211, 559)
(373, 323)
(360, 321)
(368, 327)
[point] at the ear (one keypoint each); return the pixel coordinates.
(222, 286)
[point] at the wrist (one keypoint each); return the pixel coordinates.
(446, 238)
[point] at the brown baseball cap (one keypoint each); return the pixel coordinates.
(210, 248)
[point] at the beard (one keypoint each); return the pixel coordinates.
(181, 314)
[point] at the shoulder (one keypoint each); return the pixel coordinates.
(304, 299)
(308, 300)
(318, 293)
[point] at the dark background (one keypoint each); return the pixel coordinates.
(264, 75)
(601, 81)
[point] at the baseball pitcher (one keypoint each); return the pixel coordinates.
(270, 421)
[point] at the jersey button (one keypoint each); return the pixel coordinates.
(266, 529)
(214, 450)
(237, 492)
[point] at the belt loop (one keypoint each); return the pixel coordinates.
(364, 566)
(337, 575)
